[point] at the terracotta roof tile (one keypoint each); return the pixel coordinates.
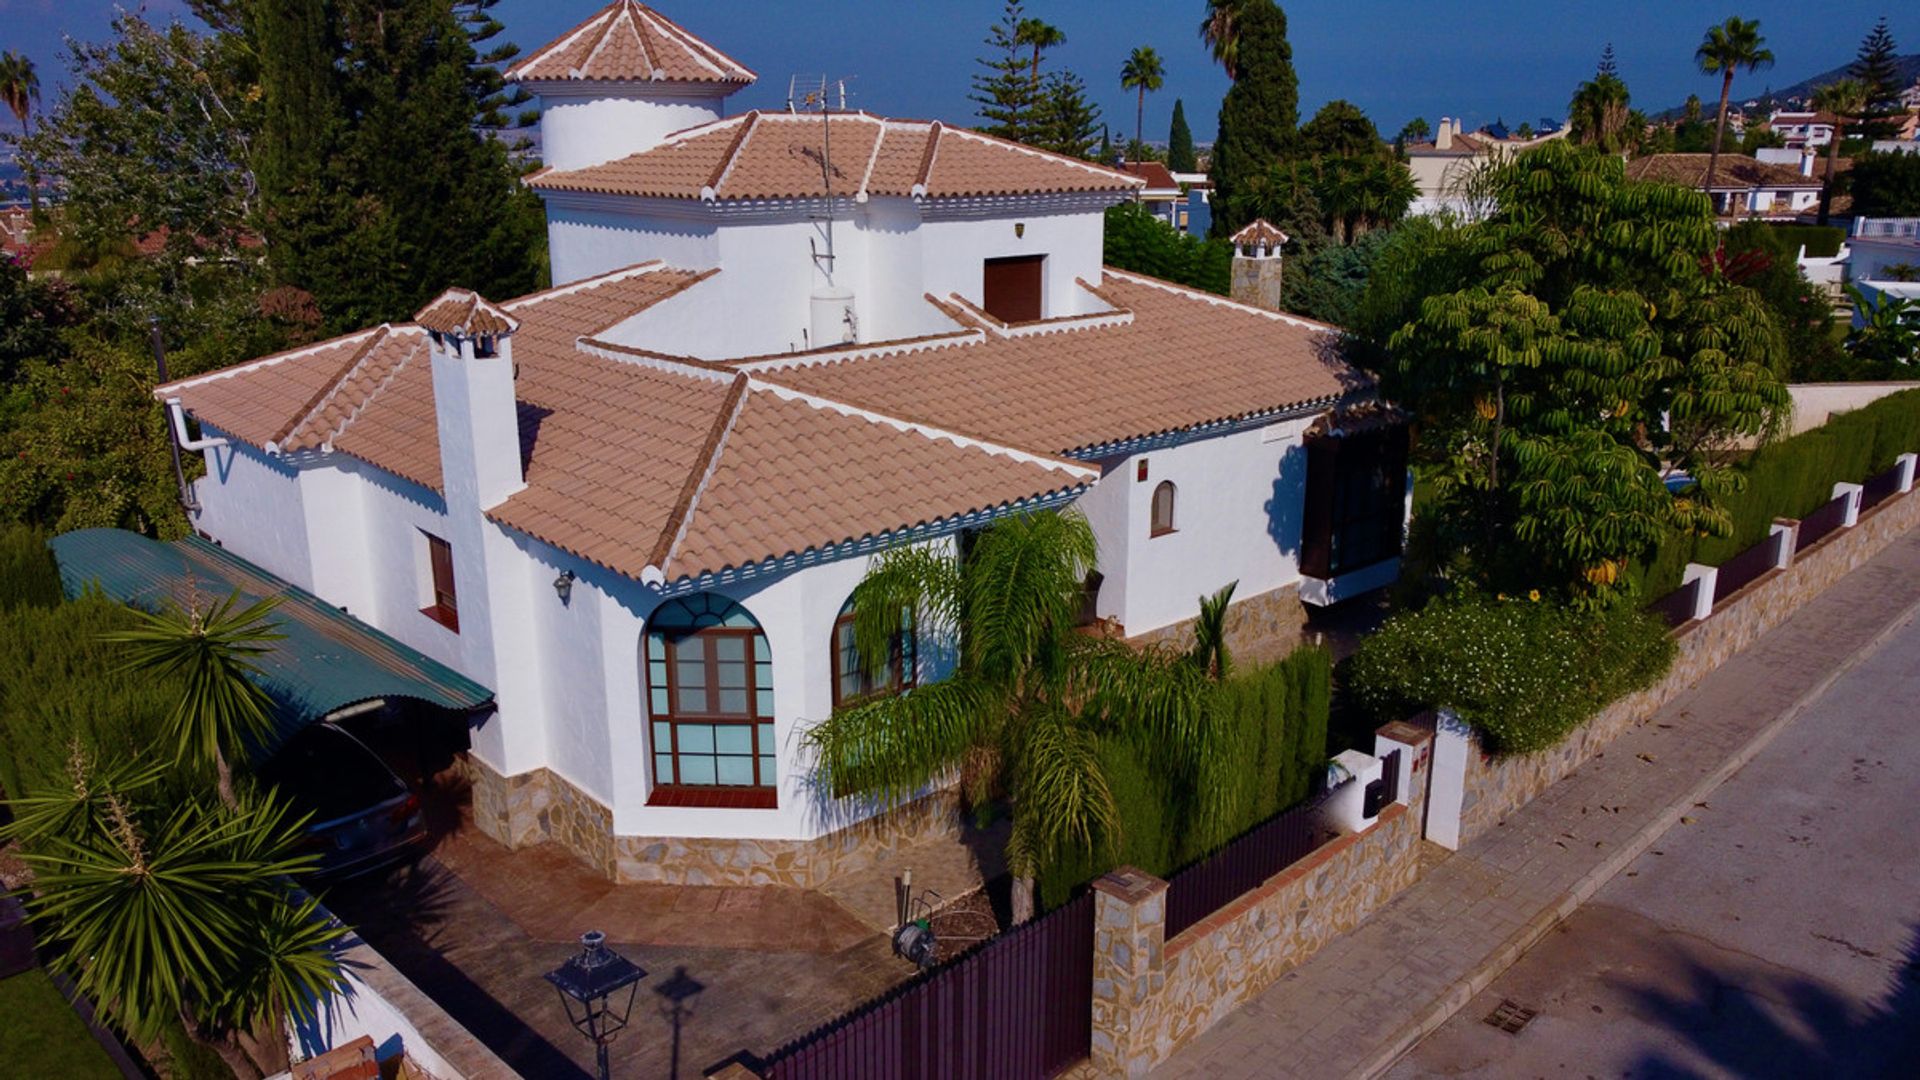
(1259, 231)
(1185, 359)
(1153, 172)
(464, 312)
(628, 41)
(777, 155)
(1735, 171)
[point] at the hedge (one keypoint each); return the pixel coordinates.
(60, 685)
(1522, 672)
(1792, 478)
(28, 573)
(1822, 241)
(1272, 726)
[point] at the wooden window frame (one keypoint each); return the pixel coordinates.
(1155, 527)
(903, 672)
(669, 791)
(445, 606)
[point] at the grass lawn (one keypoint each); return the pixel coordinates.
(43, 1037)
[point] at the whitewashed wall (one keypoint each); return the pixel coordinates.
(252, 502)
(588, 123)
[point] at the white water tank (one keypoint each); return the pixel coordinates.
(833, 321)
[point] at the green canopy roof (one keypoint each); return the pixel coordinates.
(328, 660)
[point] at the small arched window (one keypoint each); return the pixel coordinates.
(710, 702)
(852, 683)
(1163, 508)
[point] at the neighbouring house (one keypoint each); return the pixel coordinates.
(635, 505)
(1883, 261)
(1803, 130)
(1743, 186)
(1443, 167)
(1159, 192)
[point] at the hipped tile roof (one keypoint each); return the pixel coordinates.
(466, 313)
(1259, 231)
(761, 155)
(629, 42)
(1734, 171)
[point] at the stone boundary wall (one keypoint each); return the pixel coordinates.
(1151, 995)
(384, 1005)
(541, 806)
(1260, 629)
(1496, 786)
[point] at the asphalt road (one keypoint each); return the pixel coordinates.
(1775, 932)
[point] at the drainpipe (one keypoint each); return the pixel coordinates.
(178, 435)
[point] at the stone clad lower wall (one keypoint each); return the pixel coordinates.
(540, 806)
(1260, 629)
(1498, 786)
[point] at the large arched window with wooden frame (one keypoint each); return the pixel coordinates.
(1163, 494)
(710, 705)
(852, 683)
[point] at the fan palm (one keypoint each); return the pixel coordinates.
(1221, 31)
(1142, 72)
(212, 652)
(1042, 35)
(20, 88)
(1846, 100)
(1597, 115)
(1727, 48)
(1028, 700)
(180, 912)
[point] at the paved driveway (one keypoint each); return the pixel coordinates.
(1775, 932)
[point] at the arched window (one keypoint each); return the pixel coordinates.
(1163, 508)
(852, 684)
(710, 701)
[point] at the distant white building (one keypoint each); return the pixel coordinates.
(635, 505)
(1443, 168)
(1743, 187)
(1811, 130)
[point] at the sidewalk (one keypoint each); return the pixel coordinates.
(1370, 995)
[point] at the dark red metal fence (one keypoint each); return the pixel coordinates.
(1879, 488)
(1259, 853)
(1745, 568)
(1677, 606)
(1822, 523)
(1019, 1006)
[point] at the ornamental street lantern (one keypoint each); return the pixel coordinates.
(596, 988)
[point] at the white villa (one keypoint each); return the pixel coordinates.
(635, 505)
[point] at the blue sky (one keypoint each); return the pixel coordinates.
(1479, 59)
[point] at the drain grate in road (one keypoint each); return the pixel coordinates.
(1510, 1016)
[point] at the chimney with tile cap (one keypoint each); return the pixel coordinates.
(1443, 138)
(473, 397)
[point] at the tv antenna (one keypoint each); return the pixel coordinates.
(819, 93)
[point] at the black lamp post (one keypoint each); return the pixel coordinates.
(591, 986)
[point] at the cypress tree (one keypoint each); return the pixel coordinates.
(1877, 67)
(1259, 116)
(1180, 156)
(304, 216)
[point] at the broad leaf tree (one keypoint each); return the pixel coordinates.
(1566, 359)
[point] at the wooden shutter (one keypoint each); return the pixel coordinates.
(445, 601)
(1012, 289)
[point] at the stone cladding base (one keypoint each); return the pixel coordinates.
(1260, 629)
(540, 806)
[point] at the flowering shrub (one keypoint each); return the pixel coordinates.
(1524, 673)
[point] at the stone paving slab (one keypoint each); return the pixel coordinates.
(1370, 995)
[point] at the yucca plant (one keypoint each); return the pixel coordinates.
(173, 910)
(1029, 699)
(211, 649)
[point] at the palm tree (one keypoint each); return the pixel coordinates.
(20, 88)
(1221, 31)
(1143, 71)
(211, 651)
(179, 910)
(1029, 699)
(1598, 113)
(1042, 35)
(1727, 48)
(1845, 99)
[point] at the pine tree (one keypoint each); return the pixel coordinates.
(1260, 113)
(1064, 121)
(497, 99)
(1877, 67)
(1007, 92)
(1608, 66)
(1180, 156)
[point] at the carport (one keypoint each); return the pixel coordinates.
(328, 665)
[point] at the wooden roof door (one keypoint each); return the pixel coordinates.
(1012, 288)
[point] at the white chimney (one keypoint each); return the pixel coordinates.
(1443, 139)
(1807, 157)
(475, 409)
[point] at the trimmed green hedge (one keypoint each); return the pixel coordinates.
(1272, 723)
(1791, 478)
(1822, 241)
(1523, 672)
(28, 573)
(60, 685)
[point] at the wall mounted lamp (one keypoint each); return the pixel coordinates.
(563, 585)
